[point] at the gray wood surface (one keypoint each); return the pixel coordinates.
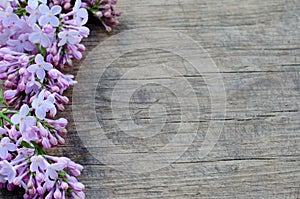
(256, 46)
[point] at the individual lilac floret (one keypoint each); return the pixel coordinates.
(7, 172)
(42, 106)
(68, 36)
(21, 44)
(48, 15)
(80, 14)
(39, 67)
(5, 146)
(22, 119)
(8, 17)
(38, 163)
(40, 36)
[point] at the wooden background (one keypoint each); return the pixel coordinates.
(256, 46)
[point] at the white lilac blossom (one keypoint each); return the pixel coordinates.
(38, 38)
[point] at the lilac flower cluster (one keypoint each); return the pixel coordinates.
(104, 10)
(38, 38)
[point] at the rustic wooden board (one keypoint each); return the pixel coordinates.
(256, 46)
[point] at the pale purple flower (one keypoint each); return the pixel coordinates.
(80, 14)
(32, 86)
(8, 17)
(38, 162)
(7, 172)
(22, 119)
(68, 36)
(40, 37)
(21, 44)
(52, 170)
(34, 14)
(42, 106)
(5, 146)
(48, 15)
(34, 3)
(39, 67)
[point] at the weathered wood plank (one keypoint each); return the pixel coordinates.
(256, 46)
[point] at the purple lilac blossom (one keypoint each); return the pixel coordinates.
(35, 44)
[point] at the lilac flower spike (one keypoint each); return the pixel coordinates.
(39, 67)
(5, 146)
(38, 38)
(22, 119)
(48, 15)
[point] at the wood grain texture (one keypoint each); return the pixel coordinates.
(256, 46)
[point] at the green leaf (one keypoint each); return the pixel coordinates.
(61, 173)
(2, 100)
(38, 148)
(26, 145)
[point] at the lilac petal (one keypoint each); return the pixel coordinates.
(3, 153)
(32, 68)
(82, 16)
(62, 42)
(34, 37)
(77, 5)
(74, 33)
(14, 18)
(52, 173)
(11, 147)
(47, 66)
(41, 96)
(48, 105)
(33, 4)
(51, 99)
(55, 10)
(39, 59)
(74, 40)
(43, 164)
(43, 20)
(35, 103)
(29, 46)
(40, 113)
(22, 127)
(40, 73)
(62, 34)
(30, 121)
(16, 119)
(13, 42)
(54, 21)
(45, 41)
(33, 166)
(24, 110)
(58, 166)
(44, 9)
